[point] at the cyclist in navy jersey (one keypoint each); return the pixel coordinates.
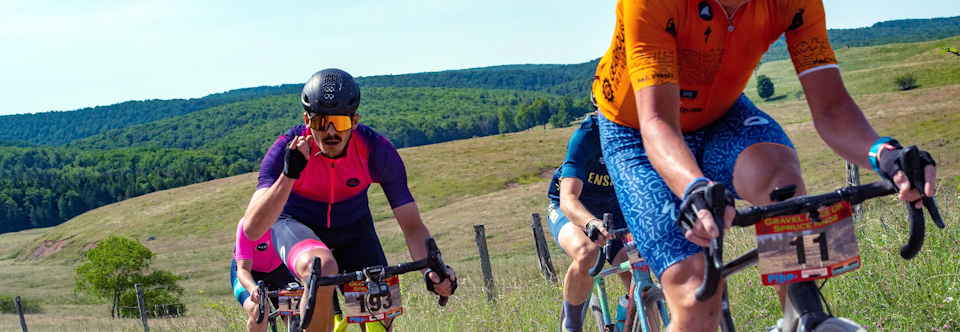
(580, 193)
(312, 192)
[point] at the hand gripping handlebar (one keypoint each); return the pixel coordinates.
(713, 254)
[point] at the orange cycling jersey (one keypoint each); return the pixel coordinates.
(711, 55)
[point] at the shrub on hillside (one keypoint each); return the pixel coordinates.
(905, 82)
(8, 305)
(115, 266)
(764, 86)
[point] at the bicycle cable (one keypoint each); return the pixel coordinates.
(823, 299)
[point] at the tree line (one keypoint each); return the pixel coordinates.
(889, 32)
(45, 186)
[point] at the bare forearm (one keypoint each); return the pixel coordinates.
(670, 155)
(245, 277)
(847, 132)
(415, 233)
(265, 207)
(575, 211)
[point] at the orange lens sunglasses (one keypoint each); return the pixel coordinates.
(340, 122)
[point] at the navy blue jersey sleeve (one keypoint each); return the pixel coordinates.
(581, 149)
(386, 168)
(272, 165)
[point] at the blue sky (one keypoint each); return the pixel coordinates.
(65, 55)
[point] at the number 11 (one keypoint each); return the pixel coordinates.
(802, 255)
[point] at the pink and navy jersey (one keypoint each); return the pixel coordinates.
(261, 251)
(333, 192)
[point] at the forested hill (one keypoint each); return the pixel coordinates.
(45, 186)
(60, 127)
(889, 32)
(574, 80)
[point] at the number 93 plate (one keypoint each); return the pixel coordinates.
(359, 307)
(794, 249)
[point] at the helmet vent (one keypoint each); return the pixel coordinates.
(329, 85)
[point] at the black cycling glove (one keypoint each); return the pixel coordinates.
(889, 160)
(293, 162)
(430, 283)
(695, 199)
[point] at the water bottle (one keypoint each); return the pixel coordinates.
(622, 311)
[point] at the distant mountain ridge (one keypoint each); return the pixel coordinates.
(888, 32)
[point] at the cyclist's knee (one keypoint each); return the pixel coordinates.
(304, 263)
(762, 167)
(585, 255)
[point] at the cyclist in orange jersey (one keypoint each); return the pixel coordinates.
(674, 118)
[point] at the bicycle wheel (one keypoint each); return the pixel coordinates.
(593, 306)
(839, 324)
(652, 301)
(293, 324)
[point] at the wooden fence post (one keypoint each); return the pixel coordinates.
(143, 307)
(853, 179)
(485, 261)
(543, 254)
(23, 323)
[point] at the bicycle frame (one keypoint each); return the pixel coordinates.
(640, 282)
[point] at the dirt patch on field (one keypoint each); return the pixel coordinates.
(547, 173)
(89, 246)
(48, 248)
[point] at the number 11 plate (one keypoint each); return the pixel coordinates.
(361, 308)
(793, 249)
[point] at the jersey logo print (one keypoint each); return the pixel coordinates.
(607, 90)
(353, 182)
(705, 13)
(671, 28)
(262, 247)
(707, 33)
(755, 121)
(797, 20)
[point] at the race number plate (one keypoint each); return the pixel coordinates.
(793, 249)
(636, 261)
(361, 308)
(289, 301)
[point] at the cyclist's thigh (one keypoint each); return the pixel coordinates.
(556, 221)
(648, 205)
(239, 292)
(292, 238)
(356, 245)
(742, 127)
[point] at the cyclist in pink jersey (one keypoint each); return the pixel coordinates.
(312, 193)
(253, 261)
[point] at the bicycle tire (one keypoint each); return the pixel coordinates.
(593, 306)
(294, 325)
(597, 313)
(651, 300)
(839, 324)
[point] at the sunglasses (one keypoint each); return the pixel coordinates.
(340, 122)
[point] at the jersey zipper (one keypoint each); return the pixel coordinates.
(333, 164)
(730, 17)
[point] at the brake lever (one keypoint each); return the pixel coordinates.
(911, 163)
(261, 290)
(311, 291)
(713, 255)
(435, 263)
(594, 233)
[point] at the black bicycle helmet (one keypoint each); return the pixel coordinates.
(331, 92)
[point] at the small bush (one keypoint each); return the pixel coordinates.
(905, 82)
(764, 86)
(8, 305)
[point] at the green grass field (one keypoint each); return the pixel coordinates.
(498, 181)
